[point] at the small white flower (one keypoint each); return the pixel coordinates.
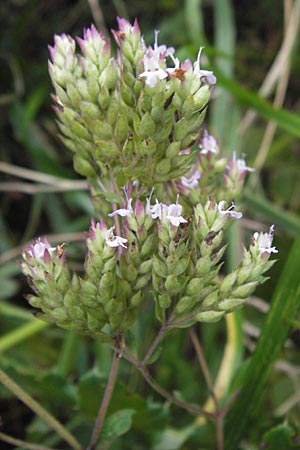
(264, 241)
(174, 214)
(162, 211)
(229, 211)
(123, 212)
(152, 60)
(208, 144)
(156, 211)
(206, 75)
(239, 165)
(37, 250)
(112, 240)
(192, 181)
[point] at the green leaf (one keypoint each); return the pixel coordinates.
(117, 424)
(90, 391)
(280, 437)
(57, 391)
(173, 439)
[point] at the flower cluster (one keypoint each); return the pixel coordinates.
(156, 251)
(121, 114)
(212, 174)
(135, 119)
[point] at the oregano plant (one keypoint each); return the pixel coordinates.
(163, 196)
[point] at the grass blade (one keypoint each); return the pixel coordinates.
(284, 306)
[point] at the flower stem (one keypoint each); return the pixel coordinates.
(220, 432)
(155, 343)
(39, 410)
(106, 399)
(204, 367)
(194, 409)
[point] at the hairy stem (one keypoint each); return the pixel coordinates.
(106, 399)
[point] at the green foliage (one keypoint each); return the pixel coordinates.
(281, 436)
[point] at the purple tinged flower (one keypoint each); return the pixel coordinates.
(264, 242)
(93, 37)
(156, 211)
(229, 211)
(238, 166)
(125, 27)
(208, 144)
(63, 45)
(114, 241)
(40, 249)
(191, 181)
(187, 65)
(204, 75)
(96, 226)
(152, 60)
(162, 211)
(138, 208)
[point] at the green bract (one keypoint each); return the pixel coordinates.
(133, 121)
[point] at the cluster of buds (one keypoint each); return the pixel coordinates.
(120, 115)
(152, 252)
(136, 117)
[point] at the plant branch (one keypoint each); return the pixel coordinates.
(20, 443)
(39, 410)
(218, 412)
(194, 409)
(106, 399)
(155, 342)
(204, 367)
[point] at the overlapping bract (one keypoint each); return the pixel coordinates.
(132, 122)
(177, 265)
(120, 114)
